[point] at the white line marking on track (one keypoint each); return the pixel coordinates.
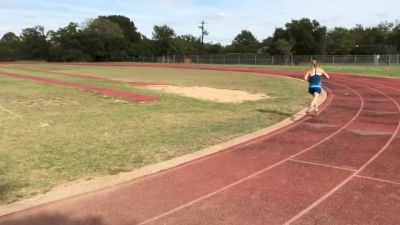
(320, 164)
(232, 148)
(377, 179)
(263, 170)
(335, 189)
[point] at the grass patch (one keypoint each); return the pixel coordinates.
(380, 71)
(65, 134)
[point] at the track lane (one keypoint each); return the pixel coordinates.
(330, 126)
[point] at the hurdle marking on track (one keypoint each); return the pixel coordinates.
(320, 164)
(347, 169)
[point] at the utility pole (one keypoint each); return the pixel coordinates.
(203, 33)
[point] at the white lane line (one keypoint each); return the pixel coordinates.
(263, 170)
(339, 186)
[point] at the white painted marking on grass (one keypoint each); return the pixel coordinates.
(8, 118)
(9, 111)
(44, 124)
(339, 186)
(263, 170)
(320, 164)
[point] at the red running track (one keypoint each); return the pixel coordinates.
(101, 90)
(342, 167)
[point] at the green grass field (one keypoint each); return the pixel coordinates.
(51, 135)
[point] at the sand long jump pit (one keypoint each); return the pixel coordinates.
(209, 93)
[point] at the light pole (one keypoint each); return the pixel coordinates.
(203, 33)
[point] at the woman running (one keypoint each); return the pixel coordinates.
(314, 79)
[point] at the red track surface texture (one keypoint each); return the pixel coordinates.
(106, 91)
(342, 167)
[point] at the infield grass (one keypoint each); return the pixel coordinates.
(64, 134)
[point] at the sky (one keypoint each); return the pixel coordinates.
(224, 18)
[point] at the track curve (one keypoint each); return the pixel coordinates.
(307, 174)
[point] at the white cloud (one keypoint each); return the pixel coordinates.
(73, 8)
(225, 18)
(221, 14)
(381, 14)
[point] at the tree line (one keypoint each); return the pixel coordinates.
(115, 38)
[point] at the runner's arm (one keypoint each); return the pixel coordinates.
(326, 74)
(307, 76)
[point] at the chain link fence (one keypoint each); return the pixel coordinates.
(377, 60)
(236, 59)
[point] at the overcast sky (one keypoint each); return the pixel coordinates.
(224, 18)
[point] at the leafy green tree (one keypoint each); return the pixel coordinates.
(66, 44)
(104, 40)
(266, 46)
(213, 48)
(145, 47)
(10, 39)
(339, 42)
(102, 27)
(9, 46)
(115, 37)
(186, 44)
(301, 37)
(128, 27)
(366, 40)
(394, 38)
(377, 37)
(163, 37)
(309, 36)
(284, 47)
(34, 44)
(245, 42)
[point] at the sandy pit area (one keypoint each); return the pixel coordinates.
(210, 94)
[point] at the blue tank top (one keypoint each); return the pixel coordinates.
(315, 80)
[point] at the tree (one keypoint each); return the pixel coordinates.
(104, 28)
(339, 41)
(377, 38)
(394, 38)
(212, 48)
(34, 44)
(309, 36)
(128, 27)
(145, 47)
(104, 40)
(266, 46)
(9, 46)
(186, 44)
(163, 37)
(306, 37)
(245, 42)
(10, 39)
(284, 47)
(66, 44)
